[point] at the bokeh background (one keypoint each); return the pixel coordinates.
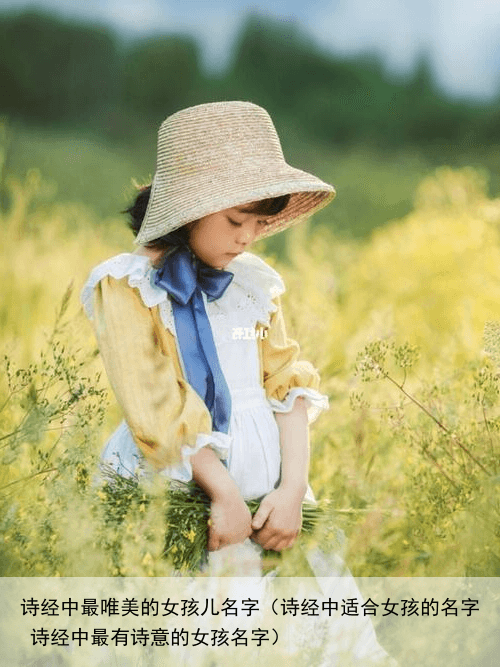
(390, 289)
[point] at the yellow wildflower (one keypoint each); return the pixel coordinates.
(190, 535)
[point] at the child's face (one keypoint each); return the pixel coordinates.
(217, 238)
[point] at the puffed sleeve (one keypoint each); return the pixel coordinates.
(163, 411)
(285, 377)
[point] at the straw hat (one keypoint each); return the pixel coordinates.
(219, 155)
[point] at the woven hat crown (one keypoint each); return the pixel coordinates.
(214, 156)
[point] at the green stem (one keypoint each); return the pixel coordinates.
(28, 477)
(440, 468)
(436, 421)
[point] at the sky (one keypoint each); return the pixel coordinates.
(461, 37)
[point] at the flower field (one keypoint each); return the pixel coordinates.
(407, 455)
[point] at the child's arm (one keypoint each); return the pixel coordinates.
(278, 520)
(230, 518)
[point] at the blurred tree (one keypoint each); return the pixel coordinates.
(428, 115)
(51, 70)
(337, 100)
(487, 122)
(161, 75)
(270, 61)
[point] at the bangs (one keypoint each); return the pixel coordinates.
(268, 207)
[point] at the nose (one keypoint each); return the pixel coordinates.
(246, 236)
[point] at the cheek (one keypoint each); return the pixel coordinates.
(203, 239)
(217, 237)
(197, 236)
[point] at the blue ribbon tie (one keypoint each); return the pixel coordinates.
(185, 277)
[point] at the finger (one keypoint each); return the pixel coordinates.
(272, 544)
(272, 534)
(256, 537)
(277, 541)
(265, 534)
(268, 539)
(261, 538)
(279, 547)
(261, 516)
(286, 544)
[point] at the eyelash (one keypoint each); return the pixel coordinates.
(264, 223)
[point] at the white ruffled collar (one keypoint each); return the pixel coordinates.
(254, 286)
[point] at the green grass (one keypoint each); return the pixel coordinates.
(81, 166)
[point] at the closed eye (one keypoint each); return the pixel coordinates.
(263, 223)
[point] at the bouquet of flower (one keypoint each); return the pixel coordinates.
(188, 513)
(187, 520)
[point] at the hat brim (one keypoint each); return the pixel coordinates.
(308, 195)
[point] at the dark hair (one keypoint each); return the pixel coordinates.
(271, 206)
(137, 211)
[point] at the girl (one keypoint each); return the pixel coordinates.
(191, 331)
(190, 327)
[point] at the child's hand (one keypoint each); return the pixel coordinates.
(230, 518)
(230, 521)
(277, 522)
